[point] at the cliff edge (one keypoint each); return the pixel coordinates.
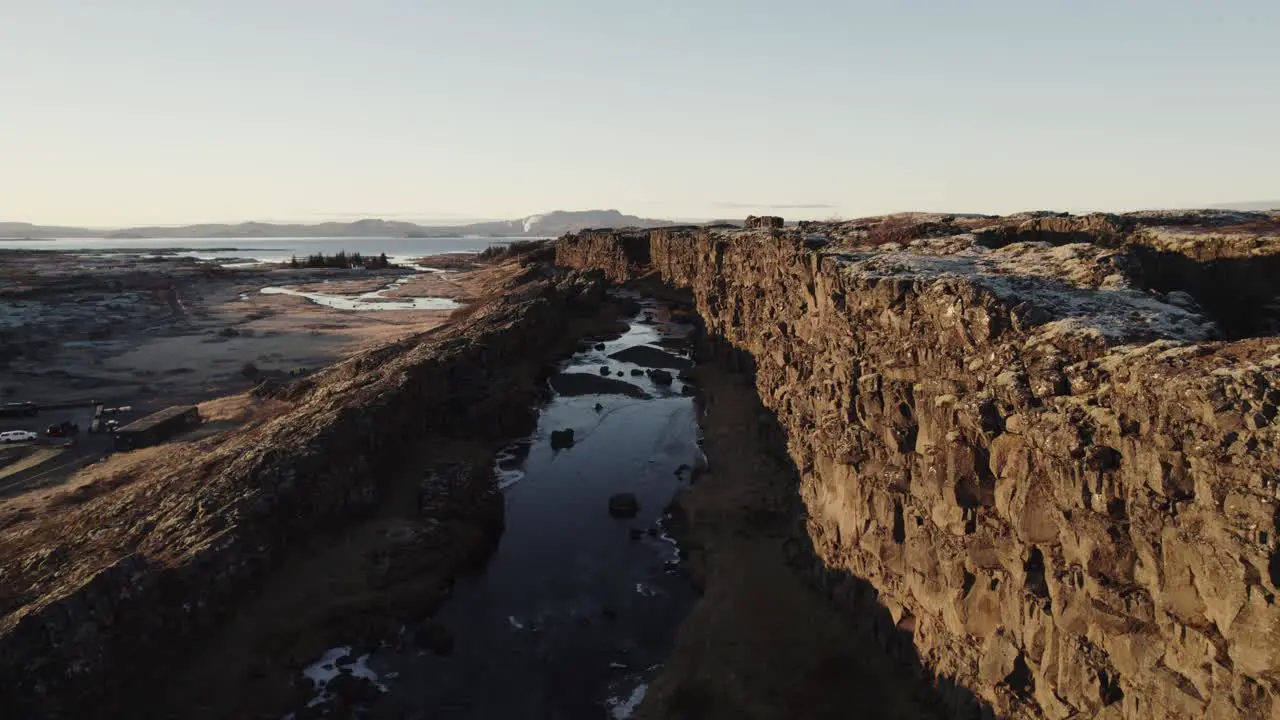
(1048, 442)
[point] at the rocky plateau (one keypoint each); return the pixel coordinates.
(1032, 459)
(1046, 444)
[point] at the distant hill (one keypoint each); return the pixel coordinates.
(27, 230)
(1261, 205)
(542, 225)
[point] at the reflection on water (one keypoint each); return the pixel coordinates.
(576, 609)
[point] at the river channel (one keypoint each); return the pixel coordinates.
(577, 608)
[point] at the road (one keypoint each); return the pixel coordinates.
(62, 457)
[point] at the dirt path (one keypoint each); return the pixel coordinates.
(761, 643)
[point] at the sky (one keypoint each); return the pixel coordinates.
(180, 111)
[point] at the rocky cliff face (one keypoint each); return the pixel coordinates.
(98, 600)
(1061, 482)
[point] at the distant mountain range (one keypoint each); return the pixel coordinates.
(544, 225)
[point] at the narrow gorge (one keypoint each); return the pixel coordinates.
(922, 466)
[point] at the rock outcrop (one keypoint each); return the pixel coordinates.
(761, 222)
(99, 600)
(1050, 461)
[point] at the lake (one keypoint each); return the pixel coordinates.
(267, 249)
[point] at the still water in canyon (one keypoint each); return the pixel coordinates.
(576, 609)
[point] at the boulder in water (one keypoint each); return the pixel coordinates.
(435, 637)
(574, 384)
(354, 690)
(562, 439)
(624, 505)
(660, 377)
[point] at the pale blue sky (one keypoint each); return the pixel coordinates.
(166, 111)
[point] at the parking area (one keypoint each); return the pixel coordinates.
(49, 461)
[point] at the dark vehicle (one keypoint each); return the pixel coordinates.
(157, 427)
(19, 409)
(103, 425)
(66, 428)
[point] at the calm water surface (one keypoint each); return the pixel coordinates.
(573, 615)
(266, 249)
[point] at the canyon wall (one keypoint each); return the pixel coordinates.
(1061, 483)
(101, 601)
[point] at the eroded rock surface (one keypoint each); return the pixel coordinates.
(102, 601)
(1048, 458)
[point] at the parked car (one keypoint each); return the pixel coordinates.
(66, 428)
(17, 436)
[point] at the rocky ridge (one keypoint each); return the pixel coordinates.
(100, 599)
(1047, 441)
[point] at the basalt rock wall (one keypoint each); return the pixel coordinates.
(1063, 489)
(101, 616)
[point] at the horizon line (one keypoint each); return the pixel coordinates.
(457, 222)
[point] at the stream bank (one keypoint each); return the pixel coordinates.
(576, 608)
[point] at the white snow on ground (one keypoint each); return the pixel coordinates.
(506, 476)
(1056, 280)
(621, 709)
(324, 670)
(645, 590)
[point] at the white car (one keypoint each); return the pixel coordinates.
(17, 436)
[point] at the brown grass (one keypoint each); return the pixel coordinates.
(115, 471)
(245, 407)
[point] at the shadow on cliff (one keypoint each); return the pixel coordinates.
(1239, 293)
(887, 641)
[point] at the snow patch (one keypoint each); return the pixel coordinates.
(506, 468)
(324, 670)
(645, 590)
(621, 709)
(1057, 280)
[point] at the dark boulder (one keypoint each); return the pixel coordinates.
(435, 637)
(660, 377)
(763, 222)
(562, 439)
(624, 505)
(574, 384)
